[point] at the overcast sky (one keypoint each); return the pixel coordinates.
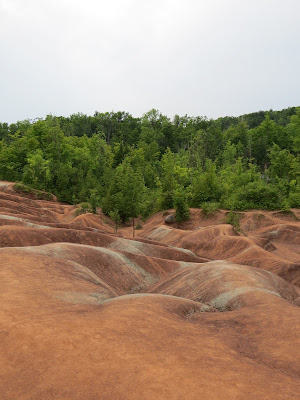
(195, 57)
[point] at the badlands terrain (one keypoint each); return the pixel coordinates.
(194, 311)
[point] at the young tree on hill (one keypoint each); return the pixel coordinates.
(126, 193)
(115, 216)
(182, 213)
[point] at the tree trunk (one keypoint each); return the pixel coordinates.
(133, 227)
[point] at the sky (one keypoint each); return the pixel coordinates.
(209, 58)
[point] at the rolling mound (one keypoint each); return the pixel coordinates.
(195, 311)
(268, 240)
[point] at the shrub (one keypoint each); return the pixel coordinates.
(115, 216)
(83, 208)
(167, 200)
(37, 194)
(233, 218)
(209, 208)
(294, 199)
(182, 213)
(94, 200)
(139, 226)
(257, 195)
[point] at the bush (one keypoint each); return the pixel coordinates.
(37, 194)
(255, 195)
(209, 208)
(83, 208)
(285, 207)
(94, 200)
(150, 204)
(206, 187)
(139, 226)
(182, 213)
(115, 216)
(294, 199)
(167, 200)
(233, 218)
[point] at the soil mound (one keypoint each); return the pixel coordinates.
(86, 314)
(224, 285)
(267, 240)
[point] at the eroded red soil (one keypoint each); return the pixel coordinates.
(197, 311)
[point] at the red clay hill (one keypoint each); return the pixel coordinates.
(198, 311)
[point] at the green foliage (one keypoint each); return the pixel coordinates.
(37, 172)
(94, 200)
(168, 180)
(294, 194)
(37, 194)
(182, 213)
(83, 208)
(126, 192)
(229, 154)
(142, 165)
(205, 186)
(209, 208)
(260, 195)
(115, 216)
(139, 226)
(285, 207)
(233, 218)
(283, 164)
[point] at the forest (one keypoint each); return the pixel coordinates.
(137, 166)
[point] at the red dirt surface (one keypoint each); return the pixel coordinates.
(196, 311)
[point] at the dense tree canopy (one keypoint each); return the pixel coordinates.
(132, 166)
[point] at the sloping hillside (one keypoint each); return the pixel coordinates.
(197, 311)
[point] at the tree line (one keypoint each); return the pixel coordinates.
(137, 166)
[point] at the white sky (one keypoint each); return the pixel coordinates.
(195, 57)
